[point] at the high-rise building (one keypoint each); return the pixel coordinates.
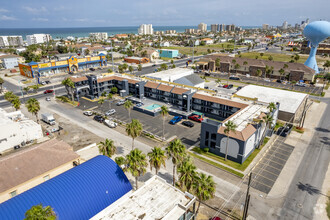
(145, 29)
(38, 38)
(99, 35)
(285, 25)
(222, 27)
(6, 41)
(170, 32)
(265, 26)
(202, 27)
(232, 27)
(214, 28)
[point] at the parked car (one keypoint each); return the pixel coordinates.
(267, 80)
(88, 113)
(71, 73)
(188, 124)
(279, 81)
(285, 130)
(301, 84)
(206, 87)
(98, 118)
(121, 102)
(92, 69)
(225, 86)
(17, 147)
(47, 99)
(198, 118)
(234, 78)
(153, 64)
(175, 120)
(47, 82)
(239, 88)
(43, 83)
(230, 86)
(110, 112)
(48, 91)
(139, 104)
(110, 124)
(190, 61)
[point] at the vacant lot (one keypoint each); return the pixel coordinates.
(277, 57)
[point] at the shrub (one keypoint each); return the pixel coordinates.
(206, 149)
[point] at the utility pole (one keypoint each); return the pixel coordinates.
(247, 199)
(193, 52)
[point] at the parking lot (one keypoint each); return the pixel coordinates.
(261, 81)
(154, 125)
(270, 167)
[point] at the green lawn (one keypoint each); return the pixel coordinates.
(224, 46)
(230, 163)
(217, 165)
(277, 57)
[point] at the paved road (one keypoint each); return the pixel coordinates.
(306, 185)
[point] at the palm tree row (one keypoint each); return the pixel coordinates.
(13, 99)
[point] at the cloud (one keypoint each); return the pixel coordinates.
(81, 19)
(2, 10)
(7, 18)
(35, 10)
(61, 8)
(40, 19)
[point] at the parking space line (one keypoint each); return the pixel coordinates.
(277, 152)
(272, 166)
(287, 150)
(273, 181)
(274, 174)
(256, 181)
(276, 158)
(281, 164)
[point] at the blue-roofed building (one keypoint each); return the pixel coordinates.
(168, 53)
(79, 193)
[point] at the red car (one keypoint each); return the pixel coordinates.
(225, 86)
(197, 118)
(48, 91)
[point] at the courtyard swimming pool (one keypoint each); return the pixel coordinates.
(152, 107)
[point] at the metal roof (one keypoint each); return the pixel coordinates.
(79, 193)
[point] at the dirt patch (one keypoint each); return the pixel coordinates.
(75, 135)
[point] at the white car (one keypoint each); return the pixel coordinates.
(110, 112)
(121, 102)
(88, 113)
(47, 99)
(110, 124)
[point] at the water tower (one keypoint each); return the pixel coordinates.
(316, 32)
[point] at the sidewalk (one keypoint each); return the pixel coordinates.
(300, 143)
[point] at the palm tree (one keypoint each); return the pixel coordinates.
(204, 188)
(33, 106)
(268, 119)
(177, 151)
(26, 89)
(282, 72)
(9, 96)
(16, 103)
(1, 82)
(164, 113)
(41, 213)
(35, 88)
(131, 69)
(110, 96)
(134, 129)
(128, 106)
(237, 66)
(245, 63)
(218, 81)
(296, 58)
(136, 164)
(107, 148)
(217, 63)
(259, 74)
(101, 101)
(271, 106)
(69, 86)
(261, 55)
(120, 161)
(229, 127)
(187, 174)
(157, 158)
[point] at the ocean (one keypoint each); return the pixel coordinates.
(84, 31)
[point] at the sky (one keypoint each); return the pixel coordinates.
(108, 13)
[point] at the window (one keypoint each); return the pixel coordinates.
(212, 145)
(13, 193)
(207, 134)
(46, 178)
(213, 136)
(206, 143)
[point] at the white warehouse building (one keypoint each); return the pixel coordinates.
(16, 129)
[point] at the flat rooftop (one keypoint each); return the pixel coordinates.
(170, 73)
(289, 101)
(156, 199)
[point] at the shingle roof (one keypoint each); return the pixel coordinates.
(165, 88)
(240, 135)
(151, 85)
(78, 79)
(190, 80)
(219, 100)
(20, 167)
(179, 91)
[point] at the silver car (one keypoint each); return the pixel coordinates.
(110, 112)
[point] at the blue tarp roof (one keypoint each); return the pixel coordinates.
(33, 63)
(79, 193)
